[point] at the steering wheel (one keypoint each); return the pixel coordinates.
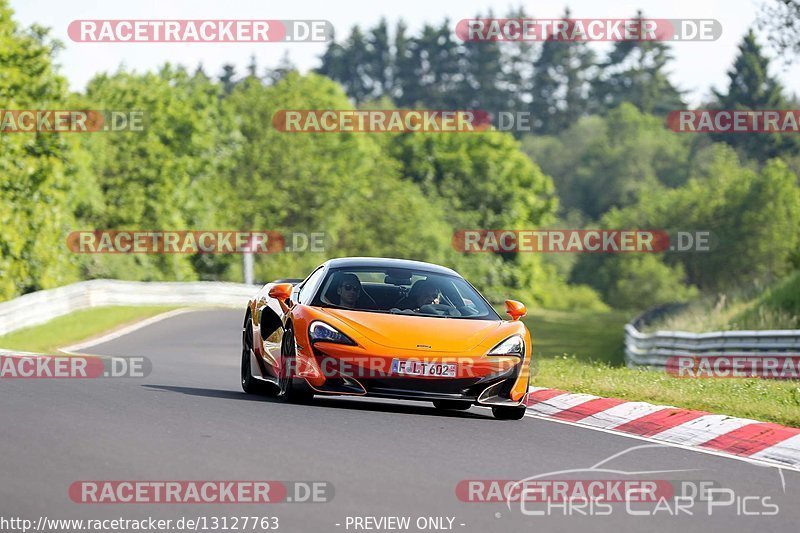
(439, 309)
(468, 311)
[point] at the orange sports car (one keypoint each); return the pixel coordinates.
(387, 328)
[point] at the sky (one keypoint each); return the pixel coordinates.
(697, 67)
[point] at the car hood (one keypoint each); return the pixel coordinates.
(418, 332)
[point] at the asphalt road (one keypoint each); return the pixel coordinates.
(189, 420)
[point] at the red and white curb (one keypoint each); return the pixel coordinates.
(726, 435)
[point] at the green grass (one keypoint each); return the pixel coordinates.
(752, 307)
(760, 399)
(583, 352)
(75, 327)
(589, 335)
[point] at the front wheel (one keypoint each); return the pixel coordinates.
(503, 412)
(292, 389)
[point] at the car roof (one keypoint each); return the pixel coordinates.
(386, 262)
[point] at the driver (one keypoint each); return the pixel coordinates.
(424, 292)
(349, 290)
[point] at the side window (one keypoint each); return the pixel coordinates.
(305, 291)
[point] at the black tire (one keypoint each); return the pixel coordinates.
(502, 412)
(251, 385)
(454, 405)
(292, 389)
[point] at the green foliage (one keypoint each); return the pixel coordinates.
(560, 84)
(755, 306)
(751, 87)
(399, 195)
(169, 176)
(556, 81)
(343, 184)
(210, 158)
(35, 173)
(777, 308)
(781, 19)
(750, 241)
(785, 296)
(643, 281)
(636, 72)
(484, 178)
(600, 163)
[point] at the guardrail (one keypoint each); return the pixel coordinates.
(653, 349)
(41, 306)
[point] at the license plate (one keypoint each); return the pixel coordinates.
(421, 368)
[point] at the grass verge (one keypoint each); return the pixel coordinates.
(583, 352)
(75, 327)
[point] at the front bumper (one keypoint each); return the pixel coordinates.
(338, 369)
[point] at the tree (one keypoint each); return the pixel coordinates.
(752, 216)
(750, 87)
(517, 69)
(440, 68)
(484, 179)
(781, 19)
(167, 177)
(380, 61)
(355, 72)
(36, 171)
(332, 60)
(604, 162)
(561, 82)
(483, 68)
(284, 67)
(407, 90)
(633, 281)
(344, 184)
(635, 72)
(228, 77)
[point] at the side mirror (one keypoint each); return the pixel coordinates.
(515, 309)
(281, 291)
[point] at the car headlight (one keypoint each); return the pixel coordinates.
(513, 345)
(322, 332)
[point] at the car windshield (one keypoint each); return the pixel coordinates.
(402, 291)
